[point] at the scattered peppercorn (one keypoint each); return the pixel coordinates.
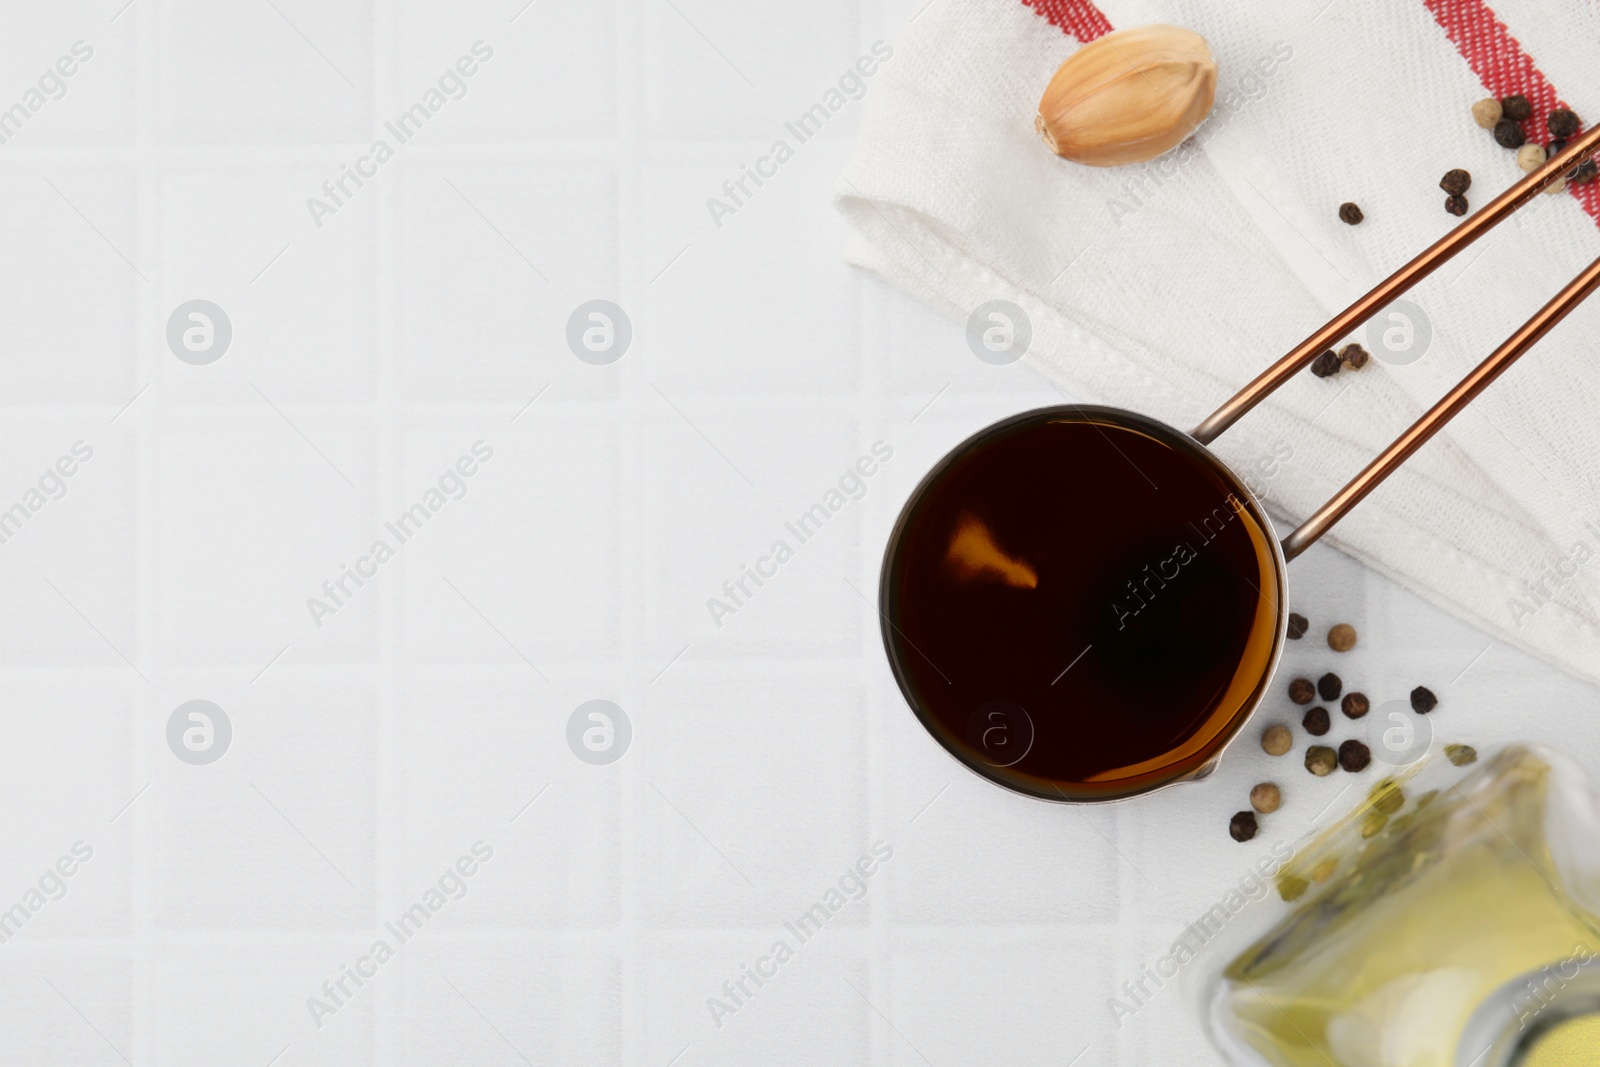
(1530, 157)
(1326, 365)
(1301, 691)
(1516, 108)
(1557, 145)
(1342, 638)
(1563, 123)
(1456, 205)
(1487, 112)
(1508, 134)
(1243, 826)
(1354, 356)
(1461, 755)
(1456, 181)
(1329, 686)
(1297, 626)
(1555, 187)
(1373, 824)
(1350, 213)
(1277, 740)
(1317, 721)
(1586, 171)
(1423, 700)
(1321, 760)
(1354, 756)
(1355, 705)
(1324, 870)
(1266, 798)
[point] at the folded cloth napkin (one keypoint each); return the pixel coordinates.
(1165, 286)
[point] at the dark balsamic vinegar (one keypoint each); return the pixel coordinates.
(1081, 603)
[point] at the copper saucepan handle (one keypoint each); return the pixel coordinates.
(1483, 220)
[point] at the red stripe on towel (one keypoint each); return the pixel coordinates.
(1504, 68)
(1080, 18)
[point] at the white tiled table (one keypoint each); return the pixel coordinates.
(369, 753)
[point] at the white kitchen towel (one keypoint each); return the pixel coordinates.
(1166, 286)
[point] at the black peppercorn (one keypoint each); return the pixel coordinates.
(1563, 123)
(1516, 108)
(1354, 756)
(1354, 356)
(1508, 134)
(1350, 213)
(1297, 626)
(1326, 365)
(1243, 826)
(1330, 686)
(1455, 182)
(1316, 721)
(1423, 700)
(1301, 691)
(1355, 705)
(1456, 205)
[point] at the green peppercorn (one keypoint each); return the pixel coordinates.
(1291, 887)
(1373, 824)
(1461, 755)
(1321, 760)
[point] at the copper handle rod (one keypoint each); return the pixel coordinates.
(1483, 220)
(1446, 409)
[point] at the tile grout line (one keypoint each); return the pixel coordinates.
(395, 723)
(631, 396)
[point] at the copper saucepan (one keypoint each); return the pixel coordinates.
(1035, 545)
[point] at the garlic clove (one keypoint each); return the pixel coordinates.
(1128, 96)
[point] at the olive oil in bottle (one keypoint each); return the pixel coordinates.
(1432, 928)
